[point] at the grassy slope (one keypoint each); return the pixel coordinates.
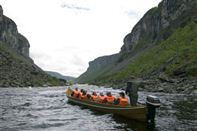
(90, 76)
(176, 54)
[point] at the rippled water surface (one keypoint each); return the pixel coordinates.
(46, 109)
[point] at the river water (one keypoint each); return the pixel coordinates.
(46, 109)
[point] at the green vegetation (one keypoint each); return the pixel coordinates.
(91, 76)
(175, 56)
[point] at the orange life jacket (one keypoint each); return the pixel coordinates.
(123, 101)
(84, 97)
(76, 93)
(110, 99)
(94, 97)
(101, 98)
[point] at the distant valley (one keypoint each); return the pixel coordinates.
(60, 76)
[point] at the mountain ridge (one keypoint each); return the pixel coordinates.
(156, 26)
(60, 76)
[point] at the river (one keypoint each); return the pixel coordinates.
(46, 109)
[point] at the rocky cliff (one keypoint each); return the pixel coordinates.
(157, 48)
(98, 67)
(9, 35)
(16, 67)
(159, 23)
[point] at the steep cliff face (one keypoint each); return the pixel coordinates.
(101, 62)
(9, 35)
(16, 67)
(159, 23)
(157, 46)
(98, 67)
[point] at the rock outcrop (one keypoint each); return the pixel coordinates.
(17, 69)
(159, 23)
(9, 35)
(103, 61)
(1, 13)
(98, 67)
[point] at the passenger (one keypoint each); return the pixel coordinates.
(75, 92)
(80, 93)
(123, 100)
(89, 96)
(84, 95)
(101, 98)
(94, 96)
(110, 98)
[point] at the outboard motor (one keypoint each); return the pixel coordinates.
(152, 102)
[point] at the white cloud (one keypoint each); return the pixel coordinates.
(75, 7)
(66, 34)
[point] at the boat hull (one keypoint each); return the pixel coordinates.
(138, 112)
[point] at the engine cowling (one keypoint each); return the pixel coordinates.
(152, 102)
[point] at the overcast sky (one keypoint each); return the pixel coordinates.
(65, 35)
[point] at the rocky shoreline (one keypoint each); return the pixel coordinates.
(185, 86)
(158, 85)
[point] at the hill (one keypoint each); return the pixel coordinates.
(161, 49)
(60, 76)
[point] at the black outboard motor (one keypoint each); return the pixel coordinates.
(152, 102)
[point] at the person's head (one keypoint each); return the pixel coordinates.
(94, 93)
(122, 94)
(81, 90)
(101, 94)
(89, 96)
(84, 92)
(108, 93)
(76, 89)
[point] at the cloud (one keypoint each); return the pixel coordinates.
(39, 55)
(132, 14)
(77, 61)
(71, 6)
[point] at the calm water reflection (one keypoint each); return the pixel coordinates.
(47, 109)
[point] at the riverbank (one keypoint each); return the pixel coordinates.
(185, 86)
(161, 85)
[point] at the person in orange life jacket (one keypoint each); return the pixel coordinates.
(84, 95)
(122, 100)
(75, 92)
(80, 93)
(109, 98)
(94, 96)
(89, 96)
(101, 98)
